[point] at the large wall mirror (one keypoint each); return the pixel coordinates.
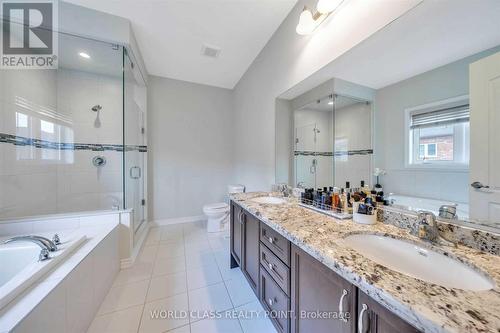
(425, 128)
(332, 143)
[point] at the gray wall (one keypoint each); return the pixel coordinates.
(189, 138)
(285, 61)
(390, 102)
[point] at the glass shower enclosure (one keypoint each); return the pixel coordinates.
(333, 142)
(73, 139)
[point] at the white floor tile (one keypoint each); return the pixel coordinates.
(199, 259)
(198, 246)
(172, 235)
(124, 321)
(169, 266)
(147, 254)
(166, 285)
(138, 272)
(216, 326)
(240, 291)
(171, 313)
(183, 329)
(168, 250)
(222, 258)
(153, 236)
(124, 296)
(203, 276)
(211, 298)
(219, 243)
(255, 320)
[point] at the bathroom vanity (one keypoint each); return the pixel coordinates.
(301, 270)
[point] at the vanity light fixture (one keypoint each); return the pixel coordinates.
(84, 55)
(309, 21)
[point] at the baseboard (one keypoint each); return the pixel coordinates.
(187, 219)
(129, 262)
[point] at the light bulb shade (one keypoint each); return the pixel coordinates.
(327, 6)
(306, 23)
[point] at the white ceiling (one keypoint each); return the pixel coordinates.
(433, 34)
(170, 34)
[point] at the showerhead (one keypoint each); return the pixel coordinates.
(96, 108)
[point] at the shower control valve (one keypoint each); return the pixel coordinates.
(99, 161)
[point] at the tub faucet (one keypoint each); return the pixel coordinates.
(44, 252)
(50, 244)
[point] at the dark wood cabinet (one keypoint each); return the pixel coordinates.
(250, 251)
(318, 295)
(374, 318)
(275, 301)
(302, 294)
(236, 243)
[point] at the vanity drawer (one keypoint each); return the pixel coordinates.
(276, 268)
(275, 300)
(278, 244)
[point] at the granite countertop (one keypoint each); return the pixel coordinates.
(429, 307)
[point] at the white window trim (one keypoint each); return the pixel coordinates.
(442, 165)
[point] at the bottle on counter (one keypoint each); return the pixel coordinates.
(345, 202)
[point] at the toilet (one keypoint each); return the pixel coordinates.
(217, 213)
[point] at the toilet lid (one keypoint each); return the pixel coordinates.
(216, 206)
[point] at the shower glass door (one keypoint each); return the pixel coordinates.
(313, 151)
(134, 140)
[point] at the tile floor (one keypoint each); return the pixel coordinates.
(181, 268)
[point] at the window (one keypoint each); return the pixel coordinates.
(439, 134)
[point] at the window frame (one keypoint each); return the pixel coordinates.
(411, 153)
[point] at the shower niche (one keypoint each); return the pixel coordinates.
(73, 139)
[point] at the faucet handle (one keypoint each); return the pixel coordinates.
(44, 255)
(56, 239)
(426, 217)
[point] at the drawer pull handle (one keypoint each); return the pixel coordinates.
(271, 301)
(271, 240)
(360, 320)
(271, 266)
(341, 306)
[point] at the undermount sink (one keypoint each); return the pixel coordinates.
(419, 262)
(269, 200)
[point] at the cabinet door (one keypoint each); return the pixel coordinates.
(374, 318)
(318, 296)
(251, 250)
(236, 235)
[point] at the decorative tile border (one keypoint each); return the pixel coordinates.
(336, 154)
(43, 144)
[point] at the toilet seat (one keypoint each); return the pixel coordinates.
(219, 207)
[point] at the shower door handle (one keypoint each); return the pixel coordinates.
(135, 175)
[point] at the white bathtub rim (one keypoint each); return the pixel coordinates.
(17, 310)
(31, 274)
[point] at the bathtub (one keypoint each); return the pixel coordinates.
(20, 267)
(417, 203)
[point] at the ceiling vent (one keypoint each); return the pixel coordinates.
(210, 51)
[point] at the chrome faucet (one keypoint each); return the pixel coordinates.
(428, 229)
(50, 244)
(448, 211)
(44, 252)
(285, 190)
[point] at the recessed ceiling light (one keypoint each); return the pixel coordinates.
(84, 55)
(330, 103)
